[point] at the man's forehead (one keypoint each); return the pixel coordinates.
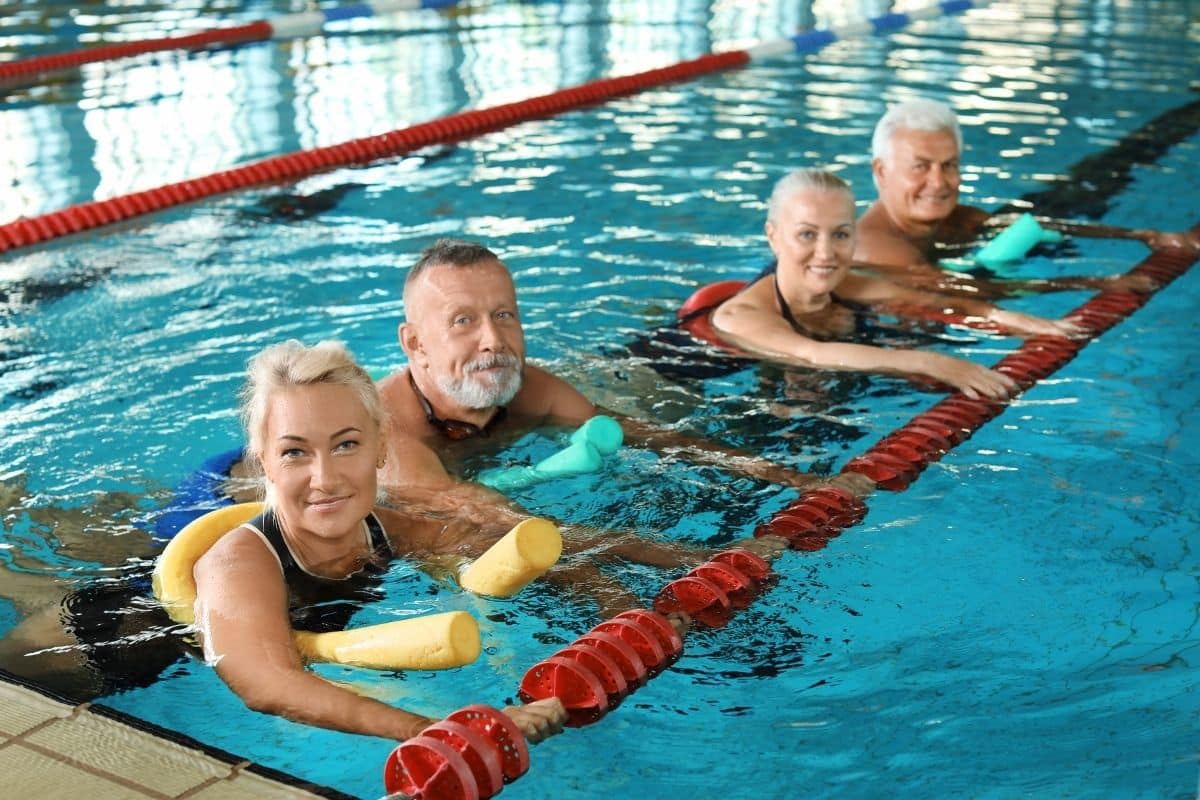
(923, 142)
(484, 282)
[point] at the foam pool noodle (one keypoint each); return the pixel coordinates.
(598, 437)
(508, 566)
(1012, 243)
(434, 641)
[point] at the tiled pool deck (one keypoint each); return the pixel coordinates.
(51, 749)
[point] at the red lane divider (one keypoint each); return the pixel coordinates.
(897, 459)
(292, 166)
(596, 672)
(26, 68)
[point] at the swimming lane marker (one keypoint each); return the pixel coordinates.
(445, 130)
(595, 673)
(288, 26)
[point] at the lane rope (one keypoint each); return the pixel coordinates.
(593, 674)
(455, 127)
(288, 26)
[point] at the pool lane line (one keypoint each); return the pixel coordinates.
(287, 26)
(601, 668)
(445, 130)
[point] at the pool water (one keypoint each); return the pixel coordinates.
(1020, 622)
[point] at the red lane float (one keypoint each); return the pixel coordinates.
(29, 68)
(292, 166)
(588, 674)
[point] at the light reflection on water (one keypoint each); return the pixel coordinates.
(1025, 606)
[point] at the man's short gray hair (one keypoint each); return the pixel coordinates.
(915, 115)
(804, 180)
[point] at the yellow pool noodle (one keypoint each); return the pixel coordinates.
(173, 582)
(435, 641)
(523, 554)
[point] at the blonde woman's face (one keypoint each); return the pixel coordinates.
(813, 240)
(320, 455)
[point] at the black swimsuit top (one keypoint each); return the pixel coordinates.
(326, 604)
(862, 313)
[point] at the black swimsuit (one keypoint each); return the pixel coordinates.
(325, 604)
(863, 316)
(128, 640)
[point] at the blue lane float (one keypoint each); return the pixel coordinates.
(598, 437)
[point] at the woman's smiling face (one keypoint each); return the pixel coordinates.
(812, 238)
(320, 455)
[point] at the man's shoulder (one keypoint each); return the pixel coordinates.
(544, 394)
(878, 242)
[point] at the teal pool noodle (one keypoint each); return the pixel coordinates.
(507, 479)
(1012, 243)
(603, 432)
(575, 459)
(596, 438)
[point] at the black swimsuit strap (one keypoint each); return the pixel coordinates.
(783, 306)
(379, 540)
(268, 524)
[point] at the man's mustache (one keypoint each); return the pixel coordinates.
(493, 361)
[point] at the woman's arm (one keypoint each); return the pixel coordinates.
(878, 292)
(241, 610)
(766, 334)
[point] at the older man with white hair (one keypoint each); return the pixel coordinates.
(916, 151)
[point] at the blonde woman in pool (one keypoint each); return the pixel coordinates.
(801, 311)
(313, 421)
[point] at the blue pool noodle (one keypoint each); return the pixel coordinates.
(1012, 243)
(598, 437)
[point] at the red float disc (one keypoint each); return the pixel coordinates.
(700, 597)
(951, 433)
(502, 732)
(603, 667)
(811, 512)
(479, 753)
(737, 586)
(789, 527)
(887, 471)
(923, 439)
(660, 626)
(580, 691)
(641, 639)
(422, 767)
(625, 657)
(857, 508)
(752, 564)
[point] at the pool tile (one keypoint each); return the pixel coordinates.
(28, 773)
(110, 747)
(22, 710)
(248, 786)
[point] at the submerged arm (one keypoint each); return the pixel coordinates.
(876, 292)
(242, 614)
(768, 335)
(704, 451)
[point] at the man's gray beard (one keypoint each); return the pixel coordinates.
(479, 391)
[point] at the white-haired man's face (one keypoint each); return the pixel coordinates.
(918, 179)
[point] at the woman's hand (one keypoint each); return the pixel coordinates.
(540, 719)
(1029, 325)
(973, 380)
(1161, 240)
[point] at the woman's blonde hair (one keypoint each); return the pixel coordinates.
(804, 180)
(289, 364)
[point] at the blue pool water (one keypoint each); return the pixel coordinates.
(1020, 622)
